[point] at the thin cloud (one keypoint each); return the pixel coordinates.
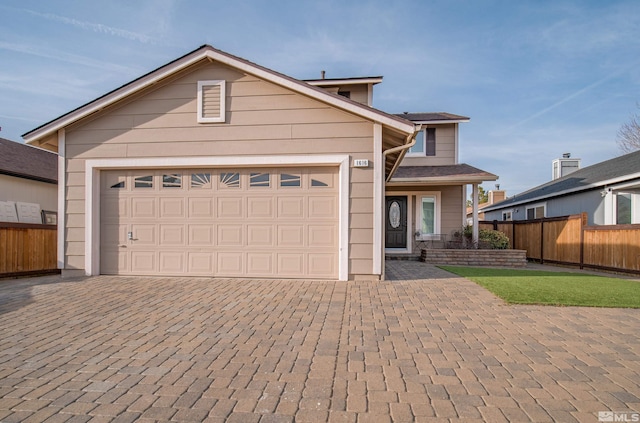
(48, 53)
(567, 98)
(95, 27)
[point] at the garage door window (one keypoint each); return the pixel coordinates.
(259, 180)
(230, 180)
(200, 180)
(143, 182)
(119, 185)
(288, 180)
(172, 181)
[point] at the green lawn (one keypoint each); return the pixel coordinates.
(553, 288)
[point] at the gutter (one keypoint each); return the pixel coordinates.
(410, 142)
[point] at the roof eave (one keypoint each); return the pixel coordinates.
(461, 179)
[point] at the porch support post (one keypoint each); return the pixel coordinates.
(475, 215)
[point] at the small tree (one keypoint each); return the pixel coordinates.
(483, 197)
(628, 137)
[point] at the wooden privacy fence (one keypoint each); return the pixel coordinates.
(27, 249)
(567, 240)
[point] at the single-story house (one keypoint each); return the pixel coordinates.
(28, 183)
(216, 166)
(609, 192)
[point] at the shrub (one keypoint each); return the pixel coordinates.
(496, 239)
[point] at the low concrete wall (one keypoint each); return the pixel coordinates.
(493, 258)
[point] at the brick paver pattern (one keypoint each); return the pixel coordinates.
(423, 346)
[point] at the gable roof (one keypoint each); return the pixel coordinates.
(28, 162)
(596, 176)
(207, 52)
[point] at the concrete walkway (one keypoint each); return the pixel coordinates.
(426, 346)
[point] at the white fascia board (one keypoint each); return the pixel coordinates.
(346, 81)
(247, 67)
(438, 122)
(440, 181)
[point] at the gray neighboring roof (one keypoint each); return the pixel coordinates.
(591, 177)
(433, 116)
(24, 161)
(458, 173)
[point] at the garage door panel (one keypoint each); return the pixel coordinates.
(260, 235)
(144, 234)
(229, 263)
(230, 207)
(322, 207)
(143, 262)
(114, 234)
(114, 262)
(291, 207)
(114, 207)
(171, 235)
(260, 264)
(143, 207)
(290, 264)
(200, 234)
(230, 236)
(200, 263)
(172, 262)
(221, 222)
(322, 236)
(322, 265)
(291, 235)
(200, 207)
(260, 208)
(172, 208)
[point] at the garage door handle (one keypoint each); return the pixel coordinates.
(122, 245)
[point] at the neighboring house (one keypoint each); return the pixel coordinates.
(213, 165)
(493, 197)
(609, 192)
(28, 182)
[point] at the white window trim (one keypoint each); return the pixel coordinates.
(418, 214)
(424, 146)
(511, 211)
(92, 192)
(535, 206)
(223, 101)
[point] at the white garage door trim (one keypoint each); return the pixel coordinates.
(92, 193)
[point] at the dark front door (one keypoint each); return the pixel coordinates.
(396, 226)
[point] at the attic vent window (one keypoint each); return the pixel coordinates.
(211, 101)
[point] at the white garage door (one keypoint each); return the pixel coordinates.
(273, 223)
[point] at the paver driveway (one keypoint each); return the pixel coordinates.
(431, 347)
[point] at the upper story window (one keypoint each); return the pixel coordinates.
(211, 101)
(425, 143)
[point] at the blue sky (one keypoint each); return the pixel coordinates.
(537, 78)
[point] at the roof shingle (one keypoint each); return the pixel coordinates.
(28, 162)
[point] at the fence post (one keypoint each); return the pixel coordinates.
(583, 223)
(542, 242)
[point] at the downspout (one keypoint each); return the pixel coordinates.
(410, 142)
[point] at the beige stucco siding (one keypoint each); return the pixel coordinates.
(261, 119)
(29, 191)
(445, 149)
